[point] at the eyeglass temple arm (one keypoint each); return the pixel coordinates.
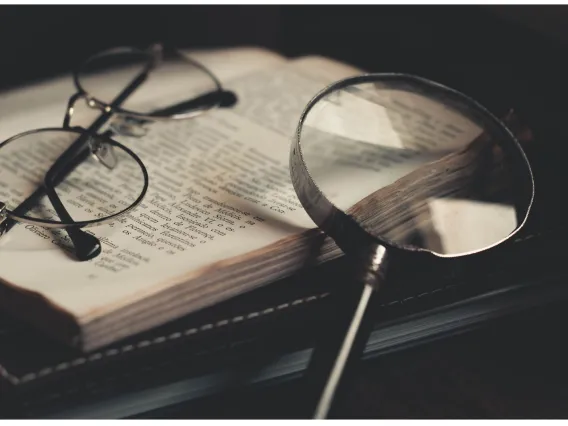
(87, 246)
(26, 205)
(222, 98)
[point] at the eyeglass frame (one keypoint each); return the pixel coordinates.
(80, 239)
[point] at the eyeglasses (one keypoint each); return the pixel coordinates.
(40, 168)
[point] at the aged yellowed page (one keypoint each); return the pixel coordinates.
(220, 217)
(219, 188)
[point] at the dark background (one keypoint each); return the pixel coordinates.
(506, 56)
(475, 48)
(512, 369)
(512, 56)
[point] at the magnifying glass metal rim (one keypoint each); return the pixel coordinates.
(342, 227)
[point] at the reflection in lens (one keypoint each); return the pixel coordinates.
(172, 79)
(89, 192)
(417, 165)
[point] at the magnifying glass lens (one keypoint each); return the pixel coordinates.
(417, 165)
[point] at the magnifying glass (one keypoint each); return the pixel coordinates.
(385, 163)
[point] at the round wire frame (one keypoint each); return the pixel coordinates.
(106, 107)
(111, 109)
(46, 223)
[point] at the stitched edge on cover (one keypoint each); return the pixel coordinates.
(151, 342)
(14, 380)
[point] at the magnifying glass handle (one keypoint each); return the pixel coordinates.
(344, 338)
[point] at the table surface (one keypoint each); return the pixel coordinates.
(515, 368)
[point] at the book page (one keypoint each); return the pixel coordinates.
(219, 188)
(42, 104)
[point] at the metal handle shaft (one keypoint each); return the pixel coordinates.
(343, 338)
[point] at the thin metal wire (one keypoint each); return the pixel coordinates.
(69, 160)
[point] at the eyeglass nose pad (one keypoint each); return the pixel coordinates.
(103, 152)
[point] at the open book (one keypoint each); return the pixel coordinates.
(220, 218)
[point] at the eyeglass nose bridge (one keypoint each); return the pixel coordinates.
(121, 124)
(102, 151)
